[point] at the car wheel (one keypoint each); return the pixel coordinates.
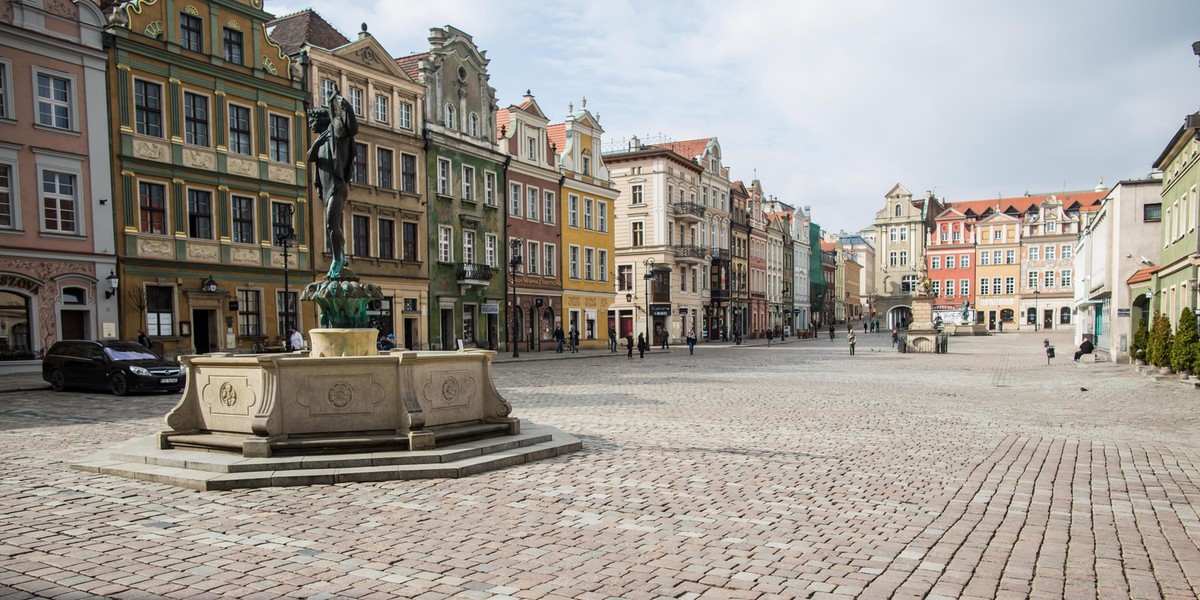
(58, 381)
(118, 385)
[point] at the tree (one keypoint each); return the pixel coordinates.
(1183, 346)
(1160, 339)
(1141, 337)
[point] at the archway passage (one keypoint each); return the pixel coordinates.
(899, 316)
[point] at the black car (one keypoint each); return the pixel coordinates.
(120, 367)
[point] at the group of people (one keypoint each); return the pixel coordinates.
(572, 339)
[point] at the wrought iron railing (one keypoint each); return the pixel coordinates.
(474, 272)
(688, 251)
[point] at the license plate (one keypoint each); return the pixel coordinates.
(170, 380)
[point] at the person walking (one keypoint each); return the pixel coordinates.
(629, 344)
(691, 340)
(770, 335)
(831, 332)
(850, 339)
(666, 339)
(612, 339)
(558, 337)
(143, 339)
(574, 340)
(296, 340)
(642, 345)
(895, 336)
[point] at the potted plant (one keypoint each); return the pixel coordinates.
(1183, 345)
(1141, 337)
(1158, 349)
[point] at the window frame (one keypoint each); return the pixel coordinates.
(196, 37)
(534, 252)
(383, 108)
(404, 111)
(637, 234)
(602, 216)
(573, 261)
(489, 188)
(444, 167)
(573, 210)
(385, 169)
(238, 226)
(515, 195)
(410, 249)
(249, 312)
(360, 172)
(468, 246)
(278, 209)
(360, 235)
(549, 200)
(637, 194)
(247, 133)
(279, 145)
(6, 90)
(158, 326)
(445, 244)
(408, 179)
(467, 184)
(142, 111)
(226, 46)
(10, 198)
(589, 223)
(60, 200)
(69, 104)
(195, 219)
(550, 262)
(490, 248)
(192, 124)
(144, 210)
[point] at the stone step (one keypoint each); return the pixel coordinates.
(198, 470)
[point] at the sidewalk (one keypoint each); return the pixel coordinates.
(21, 382)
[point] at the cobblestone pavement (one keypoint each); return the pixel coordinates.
(743, 472)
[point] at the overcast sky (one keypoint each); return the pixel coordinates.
(832, 103)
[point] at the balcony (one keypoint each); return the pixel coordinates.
(693, 254)
(689, 211)
(474, 274)
(719, 254)
(720, 295)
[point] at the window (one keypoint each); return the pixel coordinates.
(637, 234)
(58, 202)
(985, 287)
(382, 108)
(589, 264)
(233, 45)
(531, 258)
(514, 199)
(995, 285)
(5, 89)
(449, 119)
(903, 234)
(249, 313)
(409, 230)
(602, 216)
(937, 288)
(935, 262)
(195, 119)
(636, 193)
(964, 287)
(405, 118)
(360, 230)
(624, 278)
(586, 166)
(997, 234)
(1010, 257)
(548, 205)
(279, 132)
(1064, 315)
(957, 235)
(444, 177)
(949, 288)
(8, 216)
(551, 260)
(950, 262)
(383, 168)
(531, 203)
(531, 148)
(328, 87)
(897, 212)
(903, 258)
(490, 249)
(159, 310)
(1010, 284)
(1049, 252)
(355, 96)
(965, 261)
(285, 310)
(54, 101)
(239, 130)
(147, 111)
(468, 237)
(243, 219)
(1066, 251)
(893, 259)
(1048, 279)
(573, 263)
(602, 264)
(1032, 279)
(908, 283)
(445, 238)
(408, 173)
(281, 222)
(190, 30)
(358, 174)
(945, 236)
(573, 210)
(153, 203)
(473, 125)
(1065, 278)
(1051, 226)
(199, 214)
(893, 234)
(489, 188)
(587, 214)
(1034, 253)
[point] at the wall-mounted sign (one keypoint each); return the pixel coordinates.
(660, 310)
(1122, 312)
(233, 305)
(490, 309)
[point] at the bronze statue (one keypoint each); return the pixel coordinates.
(332, 153)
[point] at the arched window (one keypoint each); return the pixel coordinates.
(449, 118)
(1031, 316)
(897, 210)
(473, 125)
(1064, 315)
(74, 295)
(15, 316)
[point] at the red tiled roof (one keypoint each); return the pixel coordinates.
(827, 246)
(306, 26)
(558, 136)
(408, 64)
(1142, 274)
(502, 119)
(687, 148)
(1077, 200)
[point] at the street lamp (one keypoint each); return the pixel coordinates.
(286, 234)
(1035, 309)
(514, 261)
(649, 264)
(113, 282)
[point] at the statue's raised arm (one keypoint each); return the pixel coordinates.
(332, 154)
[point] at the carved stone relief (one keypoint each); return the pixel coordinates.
(281, 174)
(156, 248)
(151, 150)
(449, 389)
(199, 159)
(242, 166)
(202, 252)
(245, 256)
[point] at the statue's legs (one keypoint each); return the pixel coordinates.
(335, 236)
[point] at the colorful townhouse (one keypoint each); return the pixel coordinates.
(774, 217)
(757, 261)
(462, 196)
(532, 227)
(1174, 283)
(1048, 239)
(208, 131)
(901, 228)
(383, 218)
(950, 252)
(801, 260)
(998, 242)
(58, 273)
(820, 292)
(739, 251)
(589, 200)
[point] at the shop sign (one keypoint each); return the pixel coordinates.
(492, 308)
(660, 310)
(1123, 312)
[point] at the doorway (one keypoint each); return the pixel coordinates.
(410, 333)
(1048, 319)
(447, 329)
(204, 330)
(991, 319)
(73, 325)
(492, 332)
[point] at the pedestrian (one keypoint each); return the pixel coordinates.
(574, 340)
(895, 336)
(831, 332)
(388, 342)
(296, 340)
(666, 339)
(770, 335)
(642, 345)
(629, 344)
(691, 340)
(558, 337)
(612, 339)
(143, 339)
(737, 335)
(1085, 348)
(850, 339)
(864, 326)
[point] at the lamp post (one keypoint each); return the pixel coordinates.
(649, 264)
(514, 261)
(286, 234)
(1036, 316)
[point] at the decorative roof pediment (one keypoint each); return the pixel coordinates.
(369, 53)
(898, 190)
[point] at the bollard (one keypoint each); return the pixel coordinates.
(1049, 354)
